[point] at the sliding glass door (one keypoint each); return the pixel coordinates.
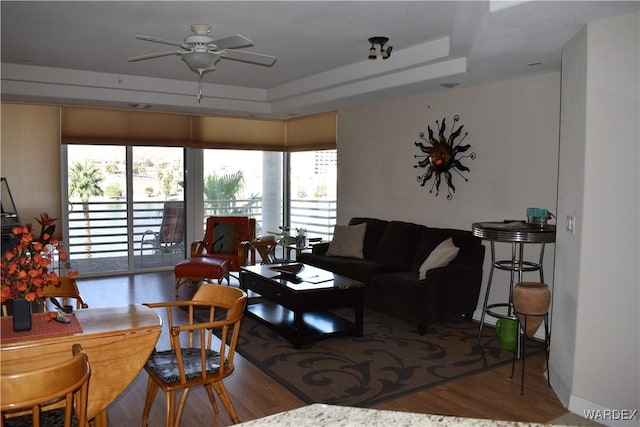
(125, 208)
(158, 208)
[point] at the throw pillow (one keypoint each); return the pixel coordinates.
(226, 238)
(348, 241)
(441, 256)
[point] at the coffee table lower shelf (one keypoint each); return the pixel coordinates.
(316, 325)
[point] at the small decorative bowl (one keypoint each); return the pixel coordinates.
(289, 269)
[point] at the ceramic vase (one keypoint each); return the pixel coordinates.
(21, 315)
(531, 301)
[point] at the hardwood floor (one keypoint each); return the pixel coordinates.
(492, 394)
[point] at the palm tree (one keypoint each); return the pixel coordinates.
(167, 182)
(222, 191)
(84, 182)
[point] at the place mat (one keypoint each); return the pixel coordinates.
(40, 328)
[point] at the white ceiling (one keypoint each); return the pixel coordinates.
(76, 52)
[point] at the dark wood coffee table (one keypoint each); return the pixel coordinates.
(297, 307)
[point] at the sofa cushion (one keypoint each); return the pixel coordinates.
(359, 269)
(398, 244)
(165, 365)
(402, 295)
(441, 256)
(226, 238)
(375, 228)
(348, 241)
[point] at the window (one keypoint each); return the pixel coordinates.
(313, 192)
(244, 182)
(128, 207)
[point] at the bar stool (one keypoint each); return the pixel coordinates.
(517, 234)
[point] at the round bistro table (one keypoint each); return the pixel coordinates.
(517, 233)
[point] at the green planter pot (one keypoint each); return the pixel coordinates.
(507, 330)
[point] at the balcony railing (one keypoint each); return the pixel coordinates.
(318, 217)
(100, 230)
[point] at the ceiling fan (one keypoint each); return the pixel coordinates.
(201, 51)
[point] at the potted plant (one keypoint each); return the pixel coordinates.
(25, 269)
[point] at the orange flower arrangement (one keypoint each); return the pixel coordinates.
(48, 226)
(25, 269)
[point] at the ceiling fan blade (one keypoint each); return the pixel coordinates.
(256, 58)
(232, 42)
(158, 40)
(156, 55)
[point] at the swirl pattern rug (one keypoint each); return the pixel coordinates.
(389, 360)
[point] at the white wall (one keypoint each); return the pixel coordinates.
(570, 201)
(513, 129)
(599, 265)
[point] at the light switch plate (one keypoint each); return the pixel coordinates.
(571, 224)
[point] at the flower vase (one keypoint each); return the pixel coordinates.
(21, 315)
(531, 301)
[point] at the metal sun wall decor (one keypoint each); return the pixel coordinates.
(442, 155)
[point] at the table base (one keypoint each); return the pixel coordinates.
(303, 316)
(315, 325)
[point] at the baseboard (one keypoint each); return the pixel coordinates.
(559, 387)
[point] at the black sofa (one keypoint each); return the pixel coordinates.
(393, 252)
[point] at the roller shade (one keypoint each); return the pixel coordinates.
(237, 133)
(316, 132)
(120, 127)
(83, 125)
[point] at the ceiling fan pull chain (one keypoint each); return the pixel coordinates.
(200, 88)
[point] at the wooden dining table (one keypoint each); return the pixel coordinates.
(117, 341)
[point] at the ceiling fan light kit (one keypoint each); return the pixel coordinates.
(385, 48)
(201, 62)
(201, 52)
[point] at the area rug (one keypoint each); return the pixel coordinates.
(388, 361)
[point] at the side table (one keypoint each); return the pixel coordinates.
(299, 249)
(517, 233)
(265, 248)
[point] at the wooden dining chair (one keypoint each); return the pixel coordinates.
(67, 291)
(65, 294)
(214, 309)
(39, 390)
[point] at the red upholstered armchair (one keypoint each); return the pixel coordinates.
(218, 253)
(223, 237)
